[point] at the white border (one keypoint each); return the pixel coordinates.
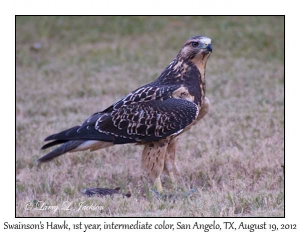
(7, 39)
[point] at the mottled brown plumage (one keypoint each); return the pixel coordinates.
(153, 115)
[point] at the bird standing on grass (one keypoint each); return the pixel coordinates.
(153, 115)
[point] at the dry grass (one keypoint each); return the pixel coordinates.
(232, 159)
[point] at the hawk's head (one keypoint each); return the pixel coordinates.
(196, 46)
(196, 49)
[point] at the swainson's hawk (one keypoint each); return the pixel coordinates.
(153, 115)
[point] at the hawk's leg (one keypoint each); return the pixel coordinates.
(170, 165)
(153, 161)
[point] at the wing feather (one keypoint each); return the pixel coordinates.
(149, 113)
(148, 121)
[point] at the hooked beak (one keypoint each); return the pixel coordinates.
(206, 44)
(209, 48)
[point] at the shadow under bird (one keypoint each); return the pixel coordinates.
(153, 115)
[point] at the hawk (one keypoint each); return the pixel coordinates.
(153, 115)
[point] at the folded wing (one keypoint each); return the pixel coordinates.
(137, 122)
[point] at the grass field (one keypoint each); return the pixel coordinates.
(70, 67)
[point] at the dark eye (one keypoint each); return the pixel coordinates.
(195, 44)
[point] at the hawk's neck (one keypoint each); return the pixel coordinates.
(186, 73)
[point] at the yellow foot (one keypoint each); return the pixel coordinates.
(171, 174)
(158, 185)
